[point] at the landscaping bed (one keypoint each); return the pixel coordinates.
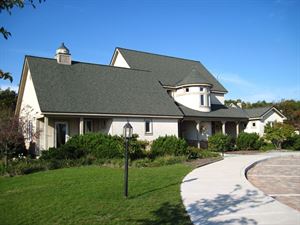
(202, 162)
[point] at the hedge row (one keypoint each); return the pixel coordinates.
(245, 141)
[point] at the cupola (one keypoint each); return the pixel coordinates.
(193, 91)
(63, 55)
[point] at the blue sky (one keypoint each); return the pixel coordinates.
(252, 47)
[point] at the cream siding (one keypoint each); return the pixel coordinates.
(160, 127)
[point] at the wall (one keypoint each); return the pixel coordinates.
(191, 99)
(160, 127)
(218, 99)
(29, 109)
(255, 129)
(119, 60)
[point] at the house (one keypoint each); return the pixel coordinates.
(159, 95)
(260, 117)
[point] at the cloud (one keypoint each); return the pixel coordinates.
(11, 87)
(241, 88)
(236, 79)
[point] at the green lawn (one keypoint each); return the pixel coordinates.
(94, 195)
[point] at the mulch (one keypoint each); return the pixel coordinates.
(202, 162)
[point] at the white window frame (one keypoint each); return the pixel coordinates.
(67, 132)
(150, 126)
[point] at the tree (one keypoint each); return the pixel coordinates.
(11, 138)
(278, 133)
(8, 5)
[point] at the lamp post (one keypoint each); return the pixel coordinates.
(127, 133)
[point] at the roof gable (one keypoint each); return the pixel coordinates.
(262, 111)
(168, 70)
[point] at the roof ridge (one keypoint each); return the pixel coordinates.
(95, 64)
(149, 53)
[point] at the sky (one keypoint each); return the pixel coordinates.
(251, 47)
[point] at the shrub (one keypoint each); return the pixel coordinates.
(137, 148)
(247, 141)
(167, 160)
(25, 166)
(168, 145)
(292, 142)
(159, 161)
(220, 142)
(196, 153)
(68, 151)
(97, 145)
(266, 146)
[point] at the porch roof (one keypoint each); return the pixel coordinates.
(217, 112)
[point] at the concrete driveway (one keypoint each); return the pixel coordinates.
(219, 193)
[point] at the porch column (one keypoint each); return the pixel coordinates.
(223, 127)
(237, 127)
(81, 124)
(45, 133)
(198, 133)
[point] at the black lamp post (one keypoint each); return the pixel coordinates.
(127, 133)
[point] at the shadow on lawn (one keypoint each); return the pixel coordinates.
(155, 189)
(168, 214)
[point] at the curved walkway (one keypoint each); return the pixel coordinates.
(219, 194)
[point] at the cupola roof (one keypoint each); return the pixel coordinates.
(63, 49)
(194, 77)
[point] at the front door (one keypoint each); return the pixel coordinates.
(61, 133)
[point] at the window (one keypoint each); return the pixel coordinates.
(187, 90)
(88, 126)
(60, 133)
(29, 130)
(148, 126)
(253, 124)
(201, 99)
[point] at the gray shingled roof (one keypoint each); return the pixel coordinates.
(217, 111)
(92, 88)
(257, 112)
(194, 77)
(168, 70)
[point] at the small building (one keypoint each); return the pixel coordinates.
(159, 95)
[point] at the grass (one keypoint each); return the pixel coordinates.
(94, 195)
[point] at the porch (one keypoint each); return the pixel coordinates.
(196, 131)
(57, 130)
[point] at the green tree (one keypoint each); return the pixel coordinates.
(278, 133)
(8, 5)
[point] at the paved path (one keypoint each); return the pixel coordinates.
(279, 178)
(219, 194)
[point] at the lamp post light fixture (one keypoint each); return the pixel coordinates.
(127, 133)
